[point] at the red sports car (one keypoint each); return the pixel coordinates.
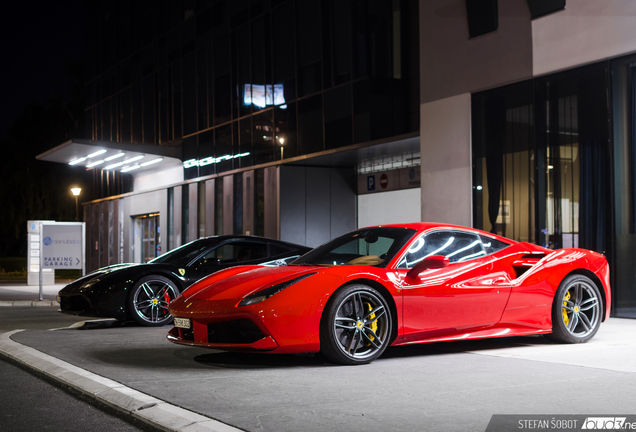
(394, 285)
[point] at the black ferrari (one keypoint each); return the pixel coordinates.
(142, 292)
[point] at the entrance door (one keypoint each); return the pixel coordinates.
(147, 237)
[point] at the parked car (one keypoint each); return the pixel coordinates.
(394, 285)
(142, 292)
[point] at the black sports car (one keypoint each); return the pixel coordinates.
(142, 292)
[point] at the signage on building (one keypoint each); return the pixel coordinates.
(403, 178)
(62, 245)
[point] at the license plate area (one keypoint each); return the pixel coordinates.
(183, 323)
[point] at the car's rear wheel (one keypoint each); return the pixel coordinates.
(576, 311)
(356, 326)
(149, 299)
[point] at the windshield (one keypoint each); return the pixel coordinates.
(183, 254)
(369, 246)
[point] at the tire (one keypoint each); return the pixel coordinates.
(356, 326)
(576, 310)
(149, 299)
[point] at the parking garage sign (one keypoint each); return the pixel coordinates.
(62, 245)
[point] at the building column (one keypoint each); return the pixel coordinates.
(445, 134)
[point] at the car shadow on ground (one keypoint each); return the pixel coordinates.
(455, 347)
(194, 357)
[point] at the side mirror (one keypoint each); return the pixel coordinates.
(432, 262)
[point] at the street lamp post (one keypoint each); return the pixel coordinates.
(282, 142)
(76, 191)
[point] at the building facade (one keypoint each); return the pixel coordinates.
(527, 129)
(271, 109)
(300, 120)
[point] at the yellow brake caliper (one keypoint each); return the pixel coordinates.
(566, 320)
(373, 326)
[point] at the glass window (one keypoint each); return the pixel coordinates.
(182, 255)
(275, 250)
(338, 123)
(189, 95)
(457, 246)
(149, 110)
(206, 153)
(185, 213)
(202, 88)
(371, 246)
(201, 209)
(238, 203)
(223, 148)
(263, 137)
(285, 121)
(504, 176)
(310, 137)
(492, 245)
(190, 155)
(218, 206)
(283, 42)
(238, 252)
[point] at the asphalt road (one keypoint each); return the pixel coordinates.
(454, 386)
(30, 403)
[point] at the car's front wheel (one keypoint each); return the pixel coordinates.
(356, 326)
(149, 299)
(576, 311)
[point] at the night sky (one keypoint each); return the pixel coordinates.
(38, 39)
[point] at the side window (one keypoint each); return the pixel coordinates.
(457, 246)
(236, 252)
(275, 250)
(491, 245)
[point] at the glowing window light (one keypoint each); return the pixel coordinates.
(92, 164)
(76, 161)
(97, 153)
(263, 95)
(118, 155)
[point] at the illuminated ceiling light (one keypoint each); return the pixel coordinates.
(130, 168)
(132, 159)
(92, 164)
(118, 155)
(97, 153)
(479, 188)
(154, 161)
(550, 166)
(113, 165)
(76, 161)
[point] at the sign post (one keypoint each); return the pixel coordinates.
(62, 246)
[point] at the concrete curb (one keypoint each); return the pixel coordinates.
(24, 303)
(141, 406)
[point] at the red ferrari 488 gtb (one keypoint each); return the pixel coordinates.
(393, 285)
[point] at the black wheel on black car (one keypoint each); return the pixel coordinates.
(356, 326)
(576, 311)
(149, 299)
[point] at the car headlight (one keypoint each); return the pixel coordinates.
(266, 293)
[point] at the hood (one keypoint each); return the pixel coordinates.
(242, 281)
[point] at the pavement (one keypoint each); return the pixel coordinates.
(452, 386)
(21, 294)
